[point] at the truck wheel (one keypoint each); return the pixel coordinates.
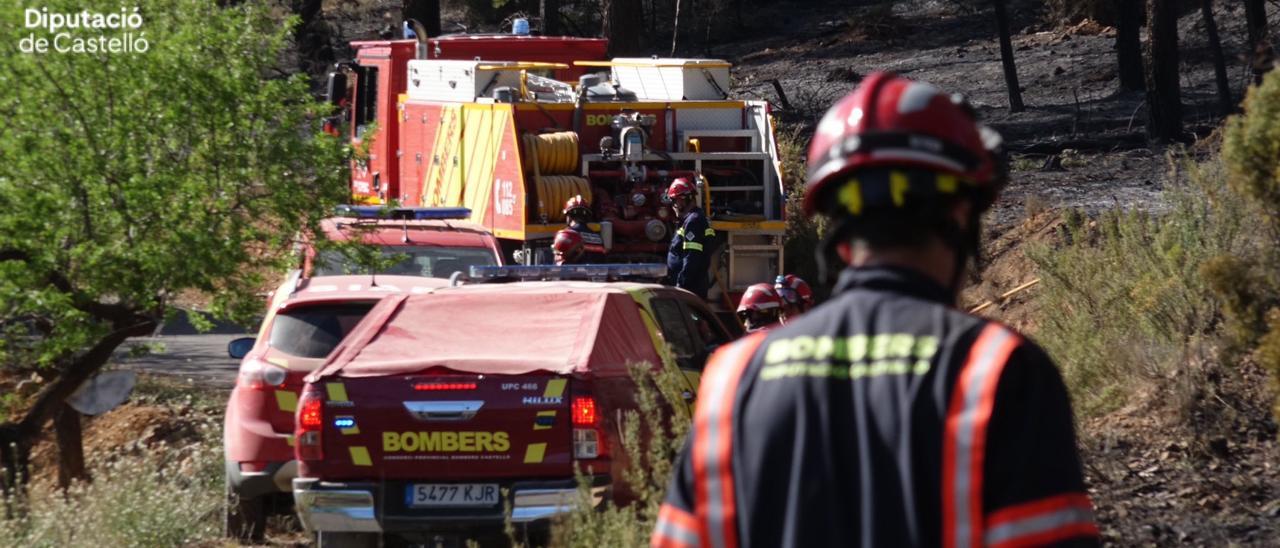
(346, 540)
(246, 518)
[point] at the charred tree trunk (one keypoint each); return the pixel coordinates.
(1129, 46)
(549, 11)
(675, 29)
(1225, 104)
(66, 425)
(1260, 58)
(1006, 57)
(622, 27)
(1164, 97)
(426, 12)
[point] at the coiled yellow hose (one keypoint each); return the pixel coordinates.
(555, 153)
(554, 190)
(553, 158)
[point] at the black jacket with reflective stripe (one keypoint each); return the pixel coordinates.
(687, 261)
(593, 251)
(855, 424)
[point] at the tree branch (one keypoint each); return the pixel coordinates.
(75, 374)
(118, 314)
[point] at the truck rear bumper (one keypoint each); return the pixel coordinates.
(359, 506)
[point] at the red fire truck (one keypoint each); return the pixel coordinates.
(512, 126)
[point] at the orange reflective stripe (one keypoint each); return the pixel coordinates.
(964, 442)
(675, 529)
(1040, 522)
(713, 443)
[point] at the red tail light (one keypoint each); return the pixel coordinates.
(311, 416)
(588, 436)
(584, 411)
(310, 424)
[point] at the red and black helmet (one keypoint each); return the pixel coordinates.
(567, 245)
(794, 285)
(577, 206)
(759, 298)
(892, 123)
(680, 187)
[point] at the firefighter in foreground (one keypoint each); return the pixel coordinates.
(760, 308)
(886, 417)
(687, 261)
(796, 295)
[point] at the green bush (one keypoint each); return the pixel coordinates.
(652, 436)
(1268, 353)
(1251, 151)
(1126, 297)
(1251, 287)
(1240, 284)
(1136, 294)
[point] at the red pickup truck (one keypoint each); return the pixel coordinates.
(307, 318)
(441, 410)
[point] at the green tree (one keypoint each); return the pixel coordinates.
(127, 177)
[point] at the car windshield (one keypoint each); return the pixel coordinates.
(425, 261)
(313, 331)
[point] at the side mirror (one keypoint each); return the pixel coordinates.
(239, 348)
(336, 90)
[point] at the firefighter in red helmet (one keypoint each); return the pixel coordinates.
(796, 295)
(760, 308)
(568, 247)
(577, 243)
(687, 259)
(885, 416)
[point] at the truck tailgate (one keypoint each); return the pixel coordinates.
(447, 427)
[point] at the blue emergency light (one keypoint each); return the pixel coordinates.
(344, 422)
(594, 272)
(410, 213)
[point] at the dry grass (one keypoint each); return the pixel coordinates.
(156, 465)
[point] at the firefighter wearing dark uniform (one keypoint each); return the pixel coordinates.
(577, 243)
(886, 417)
(687, 260)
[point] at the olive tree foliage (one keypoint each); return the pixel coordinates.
(126, 178)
